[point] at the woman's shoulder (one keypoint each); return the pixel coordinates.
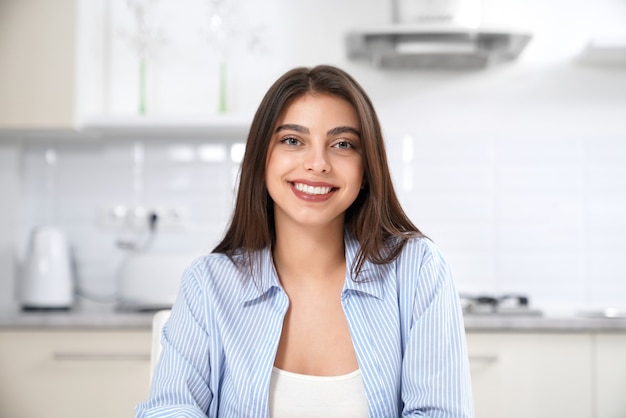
(209, 260)
(421, 259)
(222, 267)
(206, 267)
(421, 248)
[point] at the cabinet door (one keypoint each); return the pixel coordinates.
(37, 63)
(531, 375)
(73, 374)
(610, 366)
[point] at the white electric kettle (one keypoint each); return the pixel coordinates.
(47, 276)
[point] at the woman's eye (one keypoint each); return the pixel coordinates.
(290, 140)
(344, 145)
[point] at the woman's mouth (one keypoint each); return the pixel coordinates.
(312, 190)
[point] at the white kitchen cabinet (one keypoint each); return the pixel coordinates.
(37, 44)
(50, 63)
(531, 374)
(610, 369)
(73, 374)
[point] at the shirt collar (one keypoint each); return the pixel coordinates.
(370, 280)
(265, 276)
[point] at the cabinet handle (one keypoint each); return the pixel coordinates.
(484, 359)
(96, 356)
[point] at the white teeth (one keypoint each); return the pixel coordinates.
(311, 190)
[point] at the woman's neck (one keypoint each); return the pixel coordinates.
(313, 254)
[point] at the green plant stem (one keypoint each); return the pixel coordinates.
(142, 86)
(223, 104)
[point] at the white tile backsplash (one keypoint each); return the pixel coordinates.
(542, 216)
(87, 179)
(605, 210)
(609, 178)
(439, 206)
(534, 237)
(606, 150)
(528, 150)
(539, 268)
(548, 177)
(460, 177)
(474, 271)
(453, 149)
(607, 267)
(607, 238)
(557, 209)
(606, 295)
(461, 236)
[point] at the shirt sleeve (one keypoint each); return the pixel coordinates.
(180, 385)
(435, 369)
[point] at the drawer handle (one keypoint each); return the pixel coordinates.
(95, 356)
(484, 359)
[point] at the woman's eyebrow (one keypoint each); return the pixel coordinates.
(343, 129)
(292, 127)
(303, 129)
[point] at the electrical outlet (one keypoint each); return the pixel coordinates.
(136, 218)
(169, 218)
(112, 218)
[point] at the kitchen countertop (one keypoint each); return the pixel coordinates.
(544, 323)
(76, 319)
(108, 318)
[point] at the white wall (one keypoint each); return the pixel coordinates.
(9, 219)
(518, 172)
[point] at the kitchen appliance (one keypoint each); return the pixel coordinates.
(507, 304)
(47, 275)
(149, 281)
(426, 34)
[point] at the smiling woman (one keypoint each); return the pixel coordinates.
(321, 285)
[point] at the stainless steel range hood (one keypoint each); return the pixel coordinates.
(434, 34)
(428, 46)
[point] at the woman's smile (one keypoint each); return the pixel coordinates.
(312, 192)
(312, 189)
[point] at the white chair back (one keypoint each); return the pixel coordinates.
(158, 321)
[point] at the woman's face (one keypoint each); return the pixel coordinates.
(314, 165)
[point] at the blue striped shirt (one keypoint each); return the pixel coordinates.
(404, 318)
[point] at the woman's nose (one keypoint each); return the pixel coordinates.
(317, 161)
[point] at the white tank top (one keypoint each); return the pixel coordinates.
(304, 396)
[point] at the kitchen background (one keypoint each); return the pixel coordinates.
(518, 171)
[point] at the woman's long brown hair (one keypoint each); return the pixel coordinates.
(375, 219)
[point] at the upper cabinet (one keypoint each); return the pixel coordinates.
(38, 43)
(51, 63)
(73, 69)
